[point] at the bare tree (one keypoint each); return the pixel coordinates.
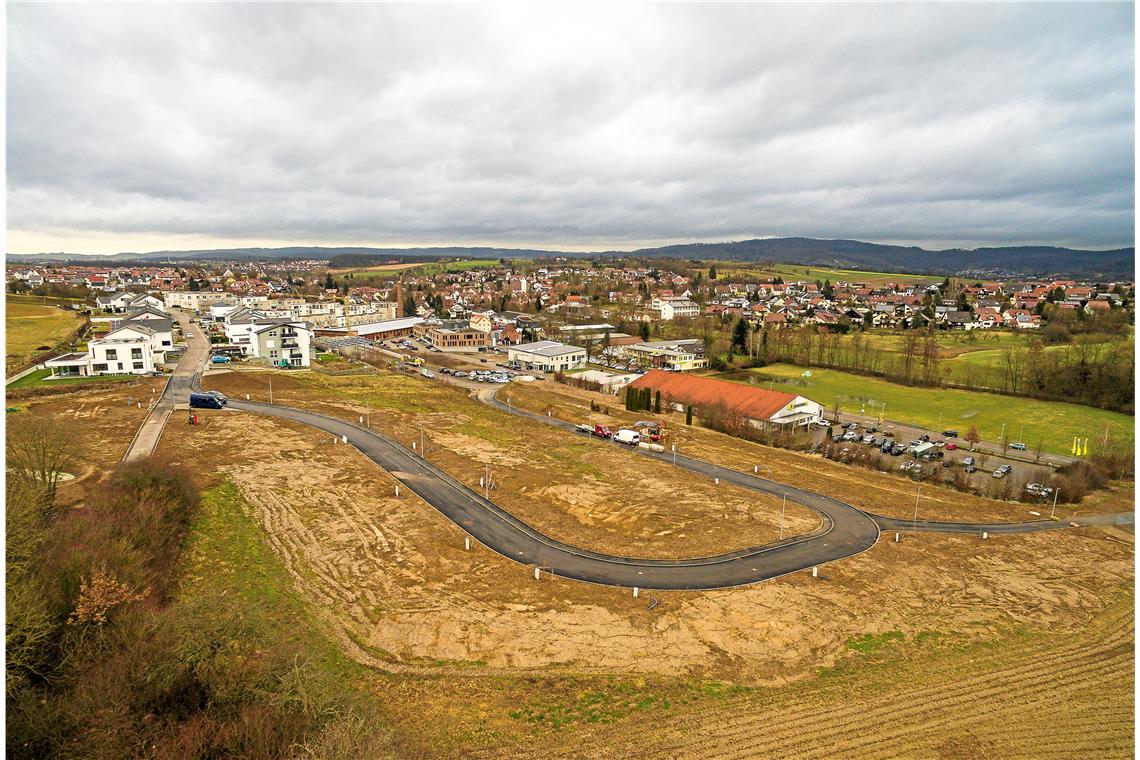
(41, 450)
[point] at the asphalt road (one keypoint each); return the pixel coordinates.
(844, 531)
(177, 390)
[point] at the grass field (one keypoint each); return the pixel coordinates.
(38, 379)
(1052, 423)
(726, 270)
(422, 268)
(27, 326)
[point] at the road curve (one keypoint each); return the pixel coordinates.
(844, 530)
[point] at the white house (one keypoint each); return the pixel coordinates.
(129, 350)
(547, 356)
(282, 342)
(673, 308)
(118, 303)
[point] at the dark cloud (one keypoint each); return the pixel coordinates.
(936, 124)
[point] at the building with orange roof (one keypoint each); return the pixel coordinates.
(759, 406)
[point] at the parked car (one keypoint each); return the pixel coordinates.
(602, 431)
(949, 433)
(851, 426)
(951, 446)
(219, 396)
(850, 435)
(1002, 471)
(924, 438)
(1018, 446)
(868, 438)
(204, 401)
(939, 444)
(907, 465)
(586, 428)
(886, 447)
(838, 437)
(821, 423)
(219, 360)
(898, 450)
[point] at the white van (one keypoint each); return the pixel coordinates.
(628, 437)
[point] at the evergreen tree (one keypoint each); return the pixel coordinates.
(712, 272)
(740, 335)
(644, 330)
(689, 414)
(657, 402)
(329, 283)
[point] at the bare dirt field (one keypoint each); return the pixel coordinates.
(103, 421)
(576, 489)
(884, 494)
(939, 646)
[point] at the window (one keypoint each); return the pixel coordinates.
(136, 353)
(112, 353)
(272, 354)
(138, 365)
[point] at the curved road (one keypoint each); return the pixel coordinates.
(844, 531)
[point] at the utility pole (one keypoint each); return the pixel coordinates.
(881, 413)
(914, 523)
(271, 390)
(782, 508)
(367, 415)
(422, 440)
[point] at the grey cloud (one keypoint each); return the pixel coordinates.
(935, 124)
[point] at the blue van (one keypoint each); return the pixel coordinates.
(204, 401)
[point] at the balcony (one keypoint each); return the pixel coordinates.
(289, 344)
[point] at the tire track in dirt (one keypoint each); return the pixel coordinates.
(1043, 681)
(1011, 680)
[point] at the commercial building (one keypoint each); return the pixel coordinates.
(759, 407)
(384, 330)
(674, 355)
(547, 356)
(453, 336)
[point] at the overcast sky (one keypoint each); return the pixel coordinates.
(152, 126)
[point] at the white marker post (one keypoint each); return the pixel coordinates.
(538, 573)
(985, 534)
(815, 572)
(636, 592)
(344, 439)
(467, 543)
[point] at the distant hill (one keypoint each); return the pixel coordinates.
(845, 254)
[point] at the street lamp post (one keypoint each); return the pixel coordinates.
(271, 390)
(914, 522)
(1053, 512)
(783, 507)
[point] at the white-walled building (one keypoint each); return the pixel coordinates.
(547, 356)
(282, 342)
(674, 308)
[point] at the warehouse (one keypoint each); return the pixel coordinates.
(759, 406)
(547, 356)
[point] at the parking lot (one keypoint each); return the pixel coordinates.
(928, 457)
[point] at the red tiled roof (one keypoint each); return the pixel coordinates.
(754, 403)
